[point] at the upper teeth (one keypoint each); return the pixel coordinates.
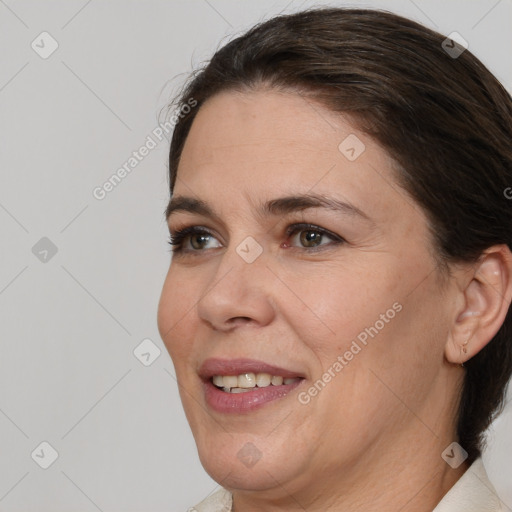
(249, 380)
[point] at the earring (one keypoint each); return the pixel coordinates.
(464, 349)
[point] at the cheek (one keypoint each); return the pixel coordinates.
(331, 307)
(394, 350)
(174, 312)
(381, 323)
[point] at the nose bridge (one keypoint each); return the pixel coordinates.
(238, 287)
(242, 263)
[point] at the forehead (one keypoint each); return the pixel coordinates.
(264, 143)
(265, 123)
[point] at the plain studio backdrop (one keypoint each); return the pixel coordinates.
(90, 417)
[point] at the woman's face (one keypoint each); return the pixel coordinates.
(350, 309)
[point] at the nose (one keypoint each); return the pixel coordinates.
(238, 293)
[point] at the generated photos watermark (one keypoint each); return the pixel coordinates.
(156, 136)
(357, 345)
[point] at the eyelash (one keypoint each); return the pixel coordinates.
(177, 239)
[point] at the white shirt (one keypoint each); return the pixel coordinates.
(473, 492)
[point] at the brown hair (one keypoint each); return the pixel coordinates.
(447, 123)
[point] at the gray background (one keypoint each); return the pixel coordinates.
(70, 323)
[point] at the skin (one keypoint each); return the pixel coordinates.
(372, 438)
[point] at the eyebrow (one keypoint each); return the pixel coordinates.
(275, 207)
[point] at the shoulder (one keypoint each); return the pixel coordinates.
(472, 492)
(219, 501)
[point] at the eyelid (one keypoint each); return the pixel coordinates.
(179, 235)
(304, 226)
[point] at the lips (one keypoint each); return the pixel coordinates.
(221, 400)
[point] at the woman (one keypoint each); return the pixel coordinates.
(337, 307)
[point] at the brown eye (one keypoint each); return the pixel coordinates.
(199, 240)
(192, 239)
(310, 238)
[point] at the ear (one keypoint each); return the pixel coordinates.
(485, 300)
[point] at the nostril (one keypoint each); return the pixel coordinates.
(240, 319)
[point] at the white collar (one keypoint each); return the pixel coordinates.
(473, 492)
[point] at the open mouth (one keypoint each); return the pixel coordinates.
(250, 381)
(242, 385)
(246, 382)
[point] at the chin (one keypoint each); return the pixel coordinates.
(237, 461)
